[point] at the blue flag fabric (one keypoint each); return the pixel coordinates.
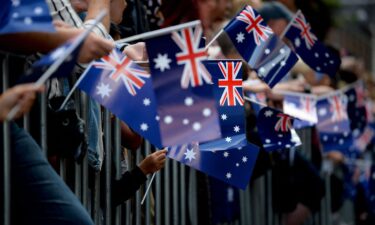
(271, 58)
(247, 31)
(301, 106)
(225, 202)
(183, 89)
(233, 166)
(333, 123)
(119, 84)
(65, 69)
(275, 129)
(356, 109)
(25, 16)
(227, 85)
(307, 46)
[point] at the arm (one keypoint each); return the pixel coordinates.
(23, 94)
(94, 47)
(130, 182)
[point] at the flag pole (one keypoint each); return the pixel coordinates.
(251, 100)
(47, 74)
(158, 32)
(214, 39)
(290, 24)
(148, 188)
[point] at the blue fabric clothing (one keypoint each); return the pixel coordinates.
(39, 196)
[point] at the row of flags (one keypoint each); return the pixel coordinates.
(343, 118)
(192, 105)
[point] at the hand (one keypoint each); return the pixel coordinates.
(23, 94)
(153, 162)
(94, 47)
(136, 52)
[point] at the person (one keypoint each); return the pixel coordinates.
(36, 189)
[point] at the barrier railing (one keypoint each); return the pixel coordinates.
(173, 198)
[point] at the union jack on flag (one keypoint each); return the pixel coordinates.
(284, 123)
(189, 42)
(230, 83)
(122, 69)
(301, 106)
(337, 108)
(138, 110)
(333, 123)
(309, 48)
(282, 136)
(306, 34)
(253, 22)
(247, 31)
(182, 85)
(229, 105)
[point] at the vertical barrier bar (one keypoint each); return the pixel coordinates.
(166, 193)
(248, 208)
(175, 191)
(128, 203)
(138, 196)
(43, 122)
(182, 195)
(117, 152)
(6, 151)
(147, 208)
(242, 207)
(158, 210)
(193, 197)
(269, 213)
(63, 169)
(85, 166)
(96, 213)
(108, 168)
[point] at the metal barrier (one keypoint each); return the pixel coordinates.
(173, 198)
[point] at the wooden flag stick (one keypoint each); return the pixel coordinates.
(148, 188)
(214, 39)
(158, 32)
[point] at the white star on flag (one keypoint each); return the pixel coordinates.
(146, 101)
(103, 90)
(268, 113)
(224, 117)
(188, 101)
(240, 37)
(162, 62)
(244, 159)
(144, 127)
(228, 175)
(226, 154)
(236, 129)
(228, 139)
(190, 154)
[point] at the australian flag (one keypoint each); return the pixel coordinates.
(25, 16)
(307, 46)
(356, 109)
(227, 84)
(301, 106)
(275, 129)
(333, 122)
(263, 50)
(183, 88)
(233, 167)
(123, 87)
(67, 54)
